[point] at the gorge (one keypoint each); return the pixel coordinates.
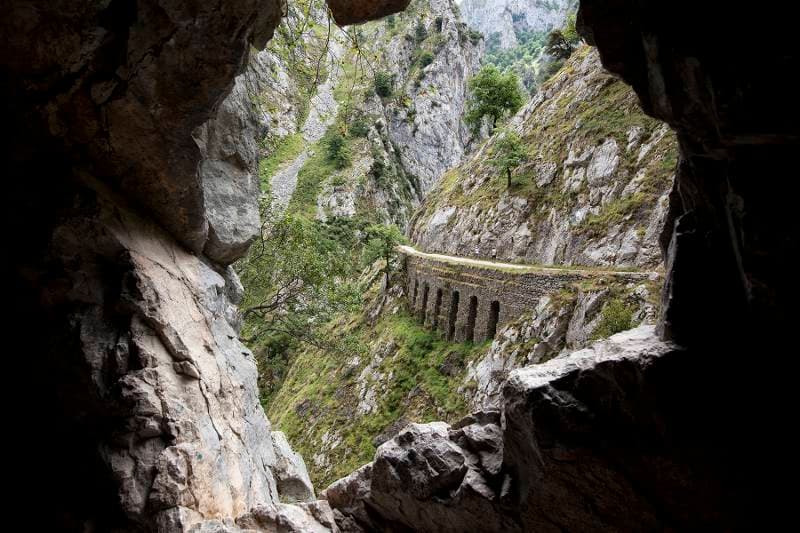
(143, 142)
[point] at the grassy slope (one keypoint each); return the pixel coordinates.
(321, 393)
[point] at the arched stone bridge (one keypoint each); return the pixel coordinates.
(471, 299)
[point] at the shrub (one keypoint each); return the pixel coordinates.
(383, 84)
(420, 32)
(509, 153)
(616, 316)
(475, 37)
(425, 59)
(337, 151)
(359, 127)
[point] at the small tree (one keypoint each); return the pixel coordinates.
(420, 32)
(382, 244)
(509, 153)
(558, 45)
(493, 94)
(383, 84)
(337, 151)
(425, 59)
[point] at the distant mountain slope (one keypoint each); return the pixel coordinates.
(594, 192)
(508, 18)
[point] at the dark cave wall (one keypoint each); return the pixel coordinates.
(135, 403)
(721, 76)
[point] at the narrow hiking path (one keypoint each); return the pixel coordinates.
(523, 268)
(322, 113)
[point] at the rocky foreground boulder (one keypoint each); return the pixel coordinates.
(603, 439)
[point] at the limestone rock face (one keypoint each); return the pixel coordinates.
(560, 324)
(506, 17)
(414, 135)
(456, 467)
(431, 133)
(229, 175)
(735, 126)
(131, 178)
(594, 192)
(603, 425)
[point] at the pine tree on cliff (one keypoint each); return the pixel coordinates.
(382, 244)
(493, 94)
(509, 153)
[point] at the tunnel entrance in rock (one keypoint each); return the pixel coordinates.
(494, 315)
(453, 314)
(472, 314)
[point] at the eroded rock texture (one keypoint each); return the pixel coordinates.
(130, 168)
(737, 117)
(597, 440)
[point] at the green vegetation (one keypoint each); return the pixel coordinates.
(509, 153)
(493, 94)
(520, 59)
(425, 59)
(616, 316)
(382, 244)
(359, 127)
(321, 393)
(576, 117)
(296, 280)
(286, 150)
(309, 180)
(528, 59)
(336, 150)
(384, 84)
(420, 32)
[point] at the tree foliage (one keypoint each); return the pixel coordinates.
(337, 151)
(382, 241)
(521, 59)
(509, 153)
(561, 43)
(297, 279)
(493, 94)
(383, 84)
(570, 30)
(420, 32)
(558, 46)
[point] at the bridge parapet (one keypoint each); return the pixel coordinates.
(472, 300)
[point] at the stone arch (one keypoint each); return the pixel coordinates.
(472, 314)
(452, 315)
(424, 307)
(494, 316)
(437, 308)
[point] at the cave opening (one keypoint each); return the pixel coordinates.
(81, 291)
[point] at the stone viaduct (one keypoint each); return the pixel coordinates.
(470, 300)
